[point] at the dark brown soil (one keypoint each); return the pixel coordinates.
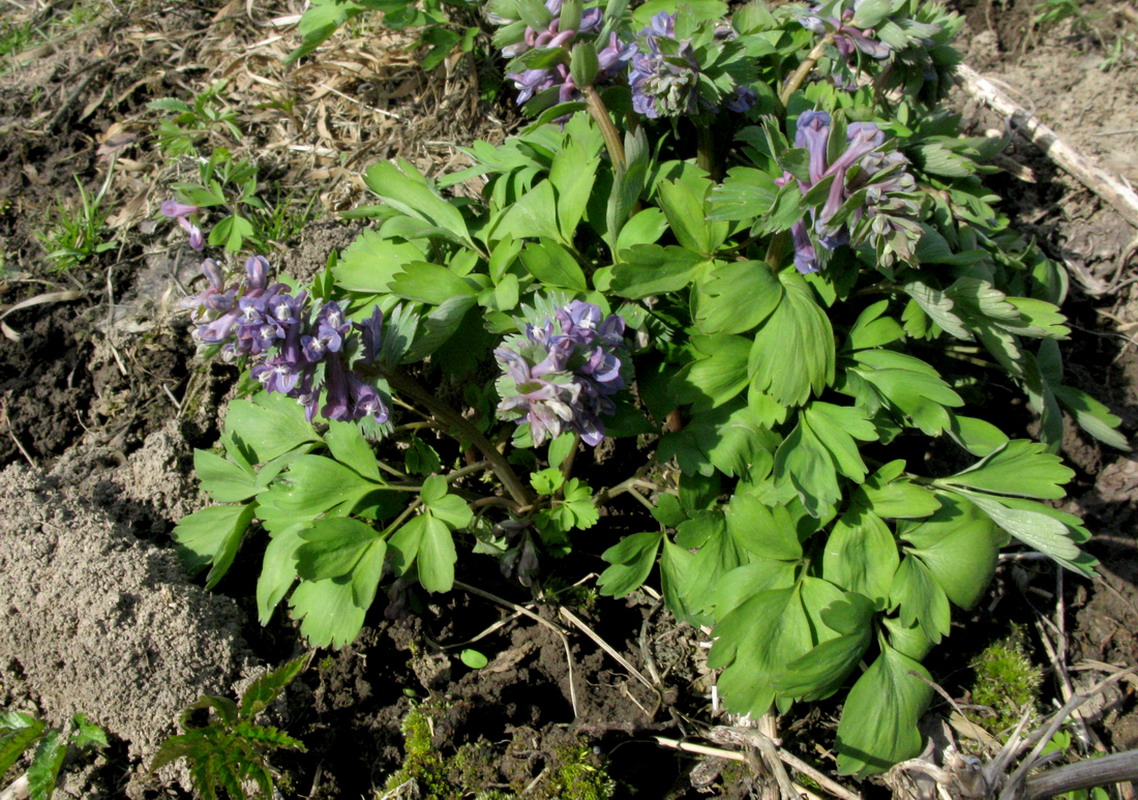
(102, 392)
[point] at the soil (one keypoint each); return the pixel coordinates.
(102, 403)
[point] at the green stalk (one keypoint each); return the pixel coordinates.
(600, 114)
(405, 384)
(795, 81)
(705, 150)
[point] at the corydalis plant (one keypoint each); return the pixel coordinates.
(561, 374)
(298, 346)
(869, 195)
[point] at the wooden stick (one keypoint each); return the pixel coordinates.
(1113, 768)
(1113, 190)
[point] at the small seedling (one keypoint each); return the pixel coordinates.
(19, 732)
(77, 234)
(230, 750)
(192, 123)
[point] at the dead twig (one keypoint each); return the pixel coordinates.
(577, 622)
(525, 612)
(1113, 768)
(1107, 186)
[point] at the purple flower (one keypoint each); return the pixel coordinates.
(371, 335)
(663, 82)
(813, 134)
(863, 139)
(366, 401)
(197, 239)
(847, 38)
(560, 374)
(530, 82)
(173, 209)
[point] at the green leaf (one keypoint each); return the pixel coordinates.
(861, 555)
(675, 568)
(939, 306)
(533, 215)
(225, 481)
(897, 498)
(822, 671)
(212, 536)
(553, 265)
(911, 386)
(332, 546)
(960, 546)
(756, 641)
(793, 351)
(560, 448)
(278, 569)
(1031, 523)
(1092, 416)
(436, 555)
(837, 427)
(920, 599)
(434, 489)
(314, 485)
(369, 264)
(327, 612)
(268, 427)
(805, 464)
(44, 769)
(403, 188)
(367, 574)
(350, 447)
(730, 438)
(18, 733)
(439, 326)
(645, 227)
(878, 727)
(631, 561)
(264, 689)
(682, 203)
(429, 283)
(736, 296)
(452, 510)
(978, 437)
(765, 531)
(85, 734)
(1020, 467)
(874, 330)
(572, 173)
(473, 658)
(649, 269)
(717, 375)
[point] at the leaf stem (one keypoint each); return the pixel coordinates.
(404, 383)
(794, 83)
(601, 116)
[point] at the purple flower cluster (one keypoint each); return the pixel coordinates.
(663, 72)
(863, 138)
(611, 59)
(300, 349)
(664, 83)
(561, 375)
(172, 209)
(848, 38)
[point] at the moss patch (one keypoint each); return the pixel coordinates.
(570, 771)
(1007, 682)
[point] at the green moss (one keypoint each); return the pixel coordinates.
(573, 772)
(422, 761)
(1007, 682)
(578, 773)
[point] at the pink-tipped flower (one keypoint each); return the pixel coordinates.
(197, 240)
(172, 209)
